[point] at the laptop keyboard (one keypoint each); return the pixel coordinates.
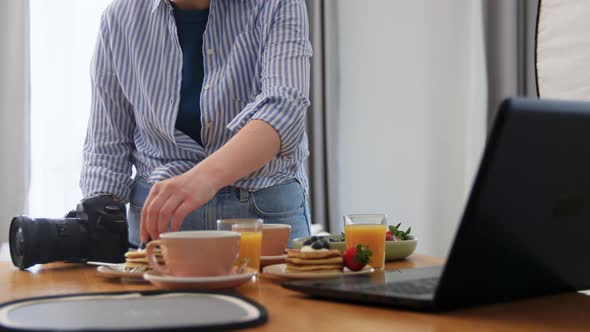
(411, 287)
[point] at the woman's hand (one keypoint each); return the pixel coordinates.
(170, 201)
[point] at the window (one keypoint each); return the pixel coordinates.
(62, 35)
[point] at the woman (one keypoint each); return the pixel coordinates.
(206, 99)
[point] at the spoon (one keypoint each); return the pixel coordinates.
(243, 265)
(114, 265)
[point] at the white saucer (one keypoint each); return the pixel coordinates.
(218, 282)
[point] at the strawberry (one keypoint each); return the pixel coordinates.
(355, 259)
(389, 236)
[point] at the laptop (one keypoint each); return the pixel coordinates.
(525, 230)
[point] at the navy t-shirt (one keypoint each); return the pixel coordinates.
(190, 25)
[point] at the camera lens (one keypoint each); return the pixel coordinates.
(38, 241)
(17, 243)
(20, 242)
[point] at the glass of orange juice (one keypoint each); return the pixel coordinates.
(250, 238)
(369, 230)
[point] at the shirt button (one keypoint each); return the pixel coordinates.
(210, 52)
(206, 87)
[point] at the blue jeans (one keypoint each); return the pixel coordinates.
(281, 204)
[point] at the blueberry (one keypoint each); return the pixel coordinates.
(321, 237)
(317, 245)
(332, 240)
(313, 238)
(307, 242)
(326, 244)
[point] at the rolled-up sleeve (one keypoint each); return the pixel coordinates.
(284, 95)
(107, 165)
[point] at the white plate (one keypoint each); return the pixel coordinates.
(270, 260)
(118, 272)
(279, 270)
(218, 282)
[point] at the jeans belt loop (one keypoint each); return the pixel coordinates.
(243, 195)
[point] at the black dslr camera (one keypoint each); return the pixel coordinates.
(95, 231)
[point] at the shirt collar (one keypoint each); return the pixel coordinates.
(156, 3)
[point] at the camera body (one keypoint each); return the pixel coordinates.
(95, 231)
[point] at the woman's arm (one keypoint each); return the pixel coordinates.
(109, 138)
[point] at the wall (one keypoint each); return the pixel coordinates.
(13, 111)
(411, 114)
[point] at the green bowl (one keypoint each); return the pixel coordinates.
(394, 250)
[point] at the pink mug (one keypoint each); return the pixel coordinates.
(195, 253)
(275, 238)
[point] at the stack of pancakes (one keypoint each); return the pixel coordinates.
(314, 261)
(137, 260)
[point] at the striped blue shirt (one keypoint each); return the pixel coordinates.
(256, 61)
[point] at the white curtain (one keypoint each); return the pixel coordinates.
(63, 34)
(14, 89)
(411, 115)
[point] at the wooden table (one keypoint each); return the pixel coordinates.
(291, 311)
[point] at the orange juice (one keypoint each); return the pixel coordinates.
(251, 247)
(372, 236)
